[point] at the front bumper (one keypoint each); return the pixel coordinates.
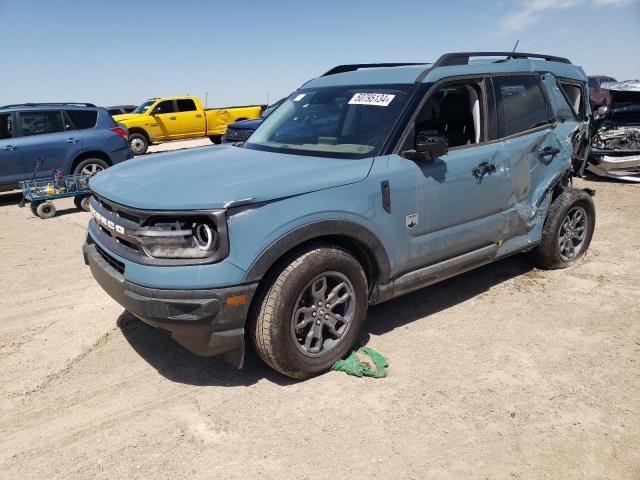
(617, 164)
(201, 321)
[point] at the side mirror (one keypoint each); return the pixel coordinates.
(429, 145)
(156, 111)
(600, 113)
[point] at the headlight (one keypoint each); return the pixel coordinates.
(196, 237)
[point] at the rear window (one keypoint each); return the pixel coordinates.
(41, 122)
(521, 104)
(186, 105)
(82, 119)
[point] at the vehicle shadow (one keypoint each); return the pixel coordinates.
(178, 365)
(10, 198)
(427, 301)
(14, 198)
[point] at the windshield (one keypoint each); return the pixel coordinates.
(143, 108)
(269, 110)
(342, 121)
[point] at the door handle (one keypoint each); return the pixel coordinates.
(198, 115)
(482, 168)
(172, 118)
(548, 151)
(72, 140)
(10, 148)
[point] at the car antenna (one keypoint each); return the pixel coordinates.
(514, 47)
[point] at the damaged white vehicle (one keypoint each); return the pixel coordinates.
(616, 142)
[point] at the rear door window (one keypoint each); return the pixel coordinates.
(521, 104)
(574, 96)
(83, 119)
(186, 105)
(6, 126)
(41, 122)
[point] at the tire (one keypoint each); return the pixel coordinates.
(90, 166)
(46, 210)
(566, 235)
(34, 206)
(281, 338)
(217, 139)
(138, 143)
(82, 202)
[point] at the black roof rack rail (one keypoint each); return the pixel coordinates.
(357, 66)
(462, 58)
(82, 104)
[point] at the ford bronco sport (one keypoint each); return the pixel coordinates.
(368, 182)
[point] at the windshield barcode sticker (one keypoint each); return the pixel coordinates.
(379, 99)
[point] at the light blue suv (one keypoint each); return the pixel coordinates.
(368, 182)
(70, 137)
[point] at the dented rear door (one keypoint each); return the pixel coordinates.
(534, 147)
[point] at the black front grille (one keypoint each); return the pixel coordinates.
(118, 265)
(237, 134)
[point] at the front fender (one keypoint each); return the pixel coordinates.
(317, 229)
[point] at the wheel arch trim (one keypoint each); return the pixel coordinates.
(323, 229)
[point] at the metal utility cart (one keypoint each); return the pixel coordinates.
(41, 192)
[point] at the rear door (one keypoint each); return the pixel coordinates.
(530, 149)
(47, 134)
(190, 121)
(11, 166)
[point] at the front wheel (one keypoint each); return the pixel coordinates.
(216, 139)
(567, 231)
(46, 210)
(312, 313)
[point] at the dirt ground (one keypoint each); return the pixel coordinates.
(505, 372)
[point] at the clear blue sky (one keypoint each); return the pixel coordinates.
(111, 52)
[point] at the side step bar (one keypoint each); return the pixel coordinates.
(435, 273)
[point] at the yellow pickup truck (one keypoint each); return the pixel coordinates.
(176, 118)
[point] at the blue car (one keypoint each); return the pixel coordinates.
(241, 130)
(71, 137)
(367, 183)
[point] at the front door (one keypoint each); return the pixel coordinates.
(11, 166)
(165, 121)
(450, 205)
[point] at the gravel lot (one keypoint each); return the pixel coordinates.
(505, 372)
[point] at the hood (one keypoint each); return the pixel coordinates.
(626, 86)
(212, 176)
(251, 124)
(126, 116)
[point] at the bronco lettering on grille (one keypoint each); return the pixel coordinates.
(101, 219)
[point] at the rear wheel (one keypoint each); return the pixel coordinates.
(82, 203)
(34, 207)
(312, 313)
(138, 143)
(46, 210)
(217, 139)
(567, 231)
(90, 166)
